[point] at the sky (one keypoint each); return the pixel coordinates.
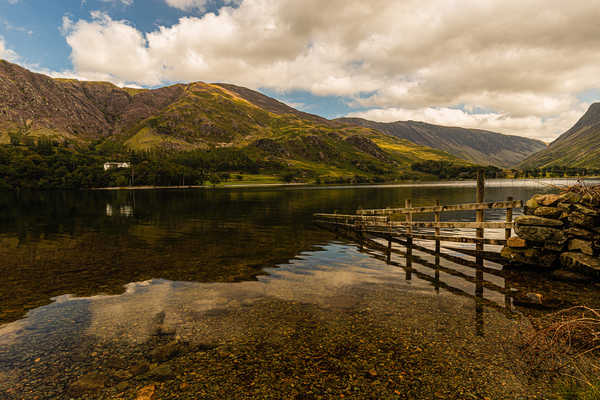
(521, 67)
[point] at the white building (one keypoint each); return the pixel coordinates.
(111, 165)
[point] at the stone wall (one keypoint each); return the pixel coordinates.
(558, 231)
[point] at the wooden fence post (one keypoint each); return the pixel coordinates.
(509, 211)
(409, 219)
(437, 227)
(389, 246)
(479, 213)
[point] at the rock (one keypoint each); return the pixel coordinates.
(549, 199)
(583, 220)
(516, 243)
(558, 247)
(89, 382)
(528, 300)
(531, 204)
(569, 276)
(540, 234)
(139, 369)
(585, 246)
(166, 352)
(570, 197)
(121, 386)
(116, 363)
(537, 221)
(548, 212)
(586, 210)
(564, 206)
(146, 393)
(121, 375)
(162, 372)
(581, 263)
(591, 200)
(534, 298)
(579, 232)
(533, 256)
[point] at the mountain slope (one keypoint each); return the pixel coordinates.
(478, 146)
(577, 147)
(200, 116)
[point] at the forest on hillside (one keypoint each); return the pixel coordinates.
(47, 164)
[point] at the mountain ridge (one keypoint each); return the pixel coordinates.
(476, 145)
(578, 147)
(200, 116)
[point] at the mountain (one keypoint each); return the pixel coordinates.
(577, 147)
(478, 146)
(200, 116)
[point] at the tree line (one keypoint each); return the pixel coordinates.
(47, 164)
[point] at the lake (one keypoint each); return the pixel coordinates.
(235, 293)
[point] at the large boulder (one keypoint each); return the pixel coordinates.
(537, 221)
(583, 220)
(548, 212)
(585, 246)
(541, 234)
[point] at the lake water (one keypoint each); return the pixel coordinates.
(235, 293)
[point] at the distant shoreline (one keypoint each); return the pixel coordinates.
(240, 185)
(465, 183)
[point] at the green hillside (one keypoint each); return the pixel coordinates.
(579, 147)
(202, 119)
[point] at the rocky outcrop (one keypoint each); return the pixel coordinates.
(558, 230)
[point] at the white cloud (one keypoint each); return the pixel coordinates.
(124, 2)
(6, 53)
(532, 126)
(525, 61)
(187, 5)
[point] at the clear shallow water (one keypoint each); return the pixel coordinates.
(100, 282)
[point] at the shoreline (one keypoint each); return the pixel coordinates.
(465, 183)
(241, 185)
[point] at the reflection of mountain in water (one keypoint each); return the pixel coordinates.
(66, 240)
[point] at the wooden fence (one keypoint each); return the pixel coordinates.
(378, 230)
(386, 224)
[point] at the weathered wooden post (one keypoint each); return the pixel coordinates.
(479, 215)
(409, 220)
(437, 228)
(389, 246)
(509, 212)
(361, 234)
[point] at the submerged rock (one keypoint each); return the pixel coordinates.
(528, 300)
(165, 352)
(162, 372)
(90, 382)
(533, 256)
(569, 276)
(581, 262)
